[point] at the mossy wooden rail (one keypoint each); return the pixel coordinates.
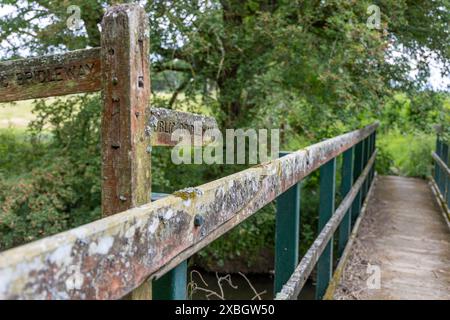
(138, 241)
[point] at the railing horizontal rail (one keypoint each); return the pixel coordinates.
(108, 258)
(441, 163)
(299, 277)
(54, 75)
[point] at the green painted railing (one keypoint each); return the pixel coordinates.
(172, 285)
(441, 174)
(355, 160)
(357, 166)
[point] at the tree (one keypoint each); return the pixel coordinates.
(255, 52)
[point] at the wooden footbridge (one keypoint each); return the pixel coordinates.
(403, 233)
(139, 249)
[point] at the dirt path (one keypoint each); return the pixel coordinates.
(406, 235)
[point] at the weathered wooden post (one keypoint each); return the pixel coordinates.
(126, 92)
(326, 210)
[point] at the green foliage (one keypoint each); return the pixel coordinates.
(59, 188)
(409, 153)
(42, 203)
(41, 26)
(444, 120)
(408, 131)
(17, 153)
(385, 161)
(416, 111)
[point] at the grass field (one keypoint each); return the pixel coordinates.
(16, 115)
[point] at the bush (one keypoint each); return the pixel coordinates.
(409, 153)
(17, 152)
(384, 164)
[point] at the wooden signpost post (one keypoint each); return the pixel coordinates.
(126, 95)
(126, 168)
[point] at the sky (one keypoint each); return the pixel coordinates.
(436, 81)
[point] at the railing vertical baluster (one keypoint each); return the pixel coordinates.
(369, 176)
(172, 285)
(287, 234)
(437, 168)
(326, 210)
(363, 164)
(447, 162)
(448, 181)
(367, 153)
(374, 147)
(346, 185)
(363, 187)
(444, 178)
(371, 149)
(357, 169)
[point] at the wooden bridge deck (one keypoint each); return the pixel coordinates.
(404, 233)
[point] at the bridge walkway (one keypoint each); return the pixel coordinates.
(405, 233)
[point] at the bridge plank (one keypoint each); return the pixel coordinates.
(72, 72)
(108, 258)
